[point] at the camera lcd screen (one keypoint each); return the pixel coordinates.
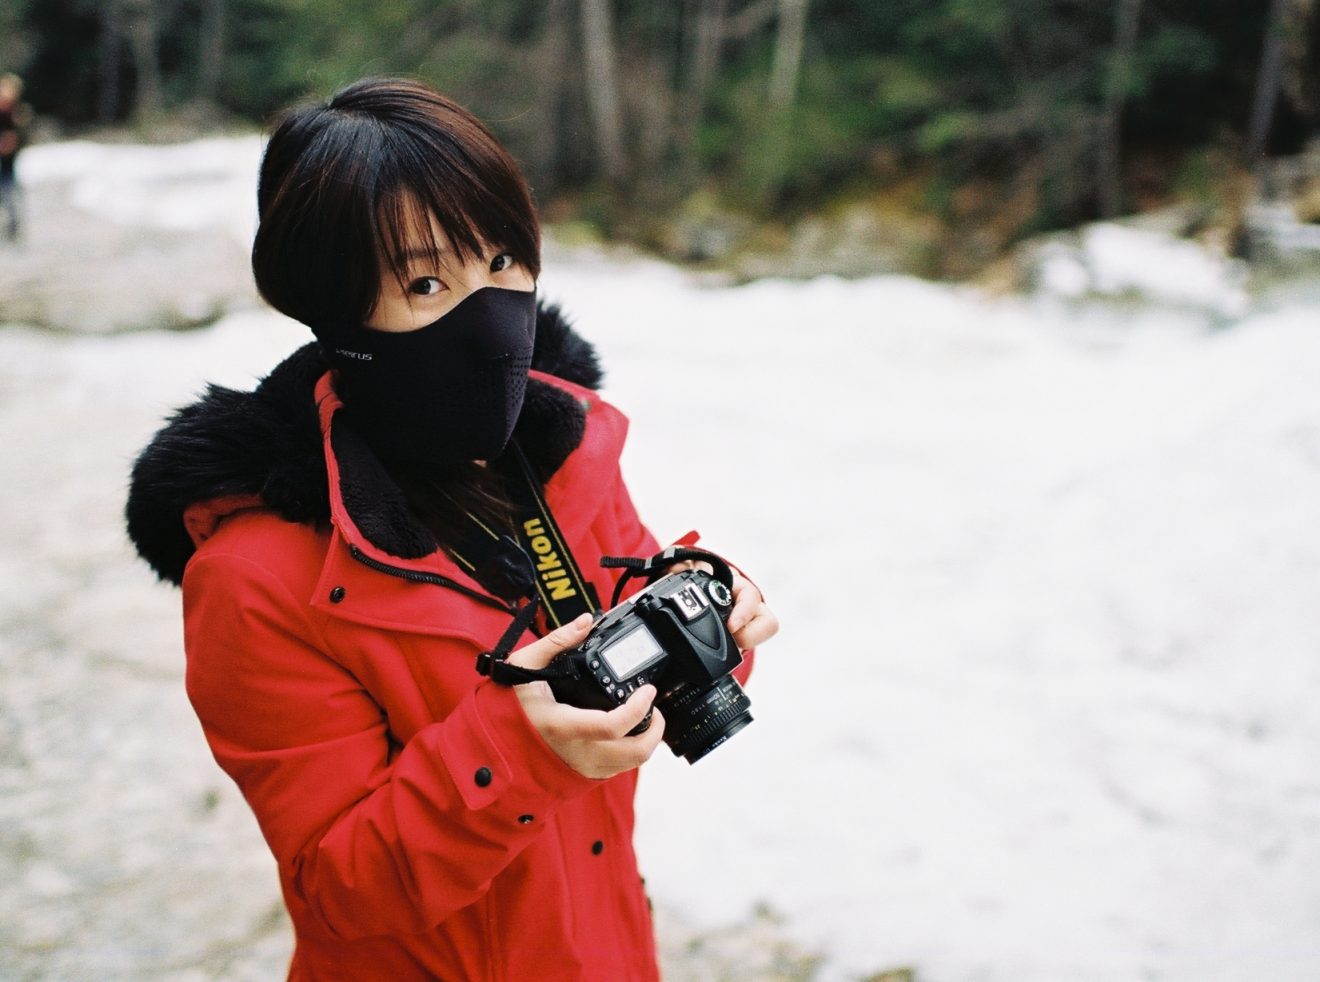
(634, 650)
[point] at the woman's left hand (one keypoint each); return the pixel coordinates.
(751, 622)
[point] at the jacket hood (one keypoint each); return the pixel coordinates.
(266, 446)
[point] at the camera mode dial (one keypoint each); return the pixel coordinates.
(719, 593)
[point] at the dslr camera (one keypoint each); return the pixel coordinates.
(672, 635)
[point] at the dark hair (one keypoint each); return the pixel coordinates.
(347, 184)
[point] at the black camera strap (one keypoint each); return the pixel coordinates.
(533, 562)
(658, 565)
(563, 590)
(495, 561)
(494, 663)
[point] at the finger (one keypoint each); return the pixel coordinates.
(746, 603)
(623, 719)
(600, 726)
(541, 652)
(761, 628)
(683, 564)
(574, 723)
(628, 752)
(650, 738)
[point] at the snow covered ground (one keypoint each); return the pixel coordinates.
(1043, 708)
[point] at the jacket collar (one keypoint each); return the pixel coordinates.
(378, 600)
(285, 447)
(370, 509)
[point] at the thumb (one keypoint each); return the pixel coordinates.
(542, 651)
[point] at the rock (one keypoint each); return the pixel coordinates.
(1279, 242)
(703, 231)
(865, 237)
(1307, 208)
(754, 950)
(1144, 260)
(893, 975)
(862, 238)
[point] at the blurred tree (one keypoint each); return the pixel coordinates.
(211, 50)
(551, 55)
(650, 43)
(1285, 23)
(706, 32)
(1118, 82)
(1301, 75)
(603, 87)
(142, 23)
(788, 56)
(15, 36)
(781, 95)
(1001, 116)
(108, 58)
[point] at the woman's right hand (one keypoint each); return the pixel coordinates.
(593, 742)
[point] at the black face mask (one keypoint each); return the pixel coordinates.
(447, 392)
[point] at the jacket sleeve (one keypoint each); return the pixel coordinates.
(374, 837)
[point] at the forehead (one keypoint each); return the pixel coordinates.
(414, 231)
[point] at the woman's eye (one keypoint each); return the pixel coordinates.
(502, 262)
(425, 286)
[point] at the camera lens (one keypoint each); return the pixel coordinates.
(699, 720)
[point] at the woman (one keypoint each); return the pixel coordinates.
(346, 541)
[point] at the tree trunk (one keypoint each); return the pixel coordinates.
(211, 51)
(788, 55)
(143, 22)
(781, 97)
(16, 40)
(108, 48)
(603, 87)
(1301, 58)
(1110, 177)
(649, 98)
(552, 54)
(750, 20)
(707, 38)
(1267, 83)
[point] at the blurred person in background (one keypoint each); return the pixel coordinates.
(14, 119)
(346, 543)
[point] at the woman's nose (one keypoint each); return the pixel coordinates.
(475, 276)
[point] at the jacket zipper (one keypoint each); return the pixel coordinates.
(435, 579)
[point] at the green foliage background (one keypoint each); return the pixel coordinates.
(984, 113)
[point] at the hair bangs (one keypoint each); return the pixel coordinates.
(476, 206)
(358, 187)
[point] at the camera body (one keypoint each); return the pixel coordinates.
(672, 635)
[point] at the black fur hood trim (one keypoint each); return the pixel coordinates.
(268, 442)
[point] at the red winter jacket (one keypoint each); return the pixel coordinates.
(422, 827)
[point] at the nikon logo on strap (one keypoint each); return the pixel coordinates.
(540, 562)
(549, 567)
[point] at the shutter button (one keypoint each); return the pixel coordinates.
(482, 777)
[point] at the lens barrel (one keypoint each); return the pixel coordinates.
(699, 720)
